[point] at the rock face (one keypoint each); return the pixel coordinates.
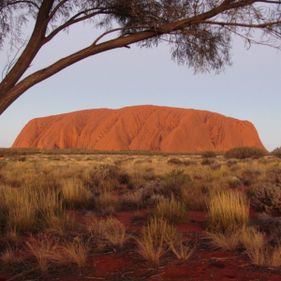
(139, 128)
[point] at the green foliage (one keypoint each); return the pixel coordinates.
(245, 152)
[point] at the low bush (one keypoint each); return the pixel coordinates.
(175, 161)
(250, 176)
(132, 200)
(195, 197)
(266, 197)
(276, 152)
(104, 176)
(245, 152)
(273, 175)
(234, 182)
(209, 154)
(208, 161)
(174, 181)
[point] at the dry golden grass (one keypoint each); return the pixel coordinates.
(45, 249)
(228, 211)
(110, 230)
(158, 236)
(170, 209)
(10, 256)
(175, 242)
(107, 202)
(226, 241)
(18, 207)
(113, 231)
(151, 244)
(75, 252)
(132, 200)
(75, 193)
(257, 249)
(28, 208)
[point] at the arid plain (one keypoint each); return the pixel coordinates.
(75, 215)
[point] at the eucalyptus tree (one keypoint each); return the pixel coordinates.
(199, 32)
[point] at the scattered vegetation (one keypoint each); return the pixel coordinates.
(65, 208)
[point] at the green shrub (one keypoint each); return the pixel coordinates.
(245, 152)
(266, 197)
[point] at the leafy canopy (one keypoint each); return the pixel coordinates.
(199, 32)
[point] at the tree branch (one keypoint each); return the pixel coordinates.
(22, 2)
(73, 20)
(31, 49)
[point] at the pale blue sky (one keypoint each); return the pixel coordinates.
(250, 89)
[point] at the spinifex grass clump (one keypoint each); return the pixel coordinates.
(151, 245)
(170, 209)
(75, 193)
(109, 230)
(158, 237)
(28, 208)
(258, 250)
(48, 251)
(226, 241)
(228, 211)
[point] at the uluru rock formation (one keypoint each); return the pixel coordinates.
(154, 128)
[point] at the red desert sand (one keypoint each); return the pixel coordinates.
(148, 128)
